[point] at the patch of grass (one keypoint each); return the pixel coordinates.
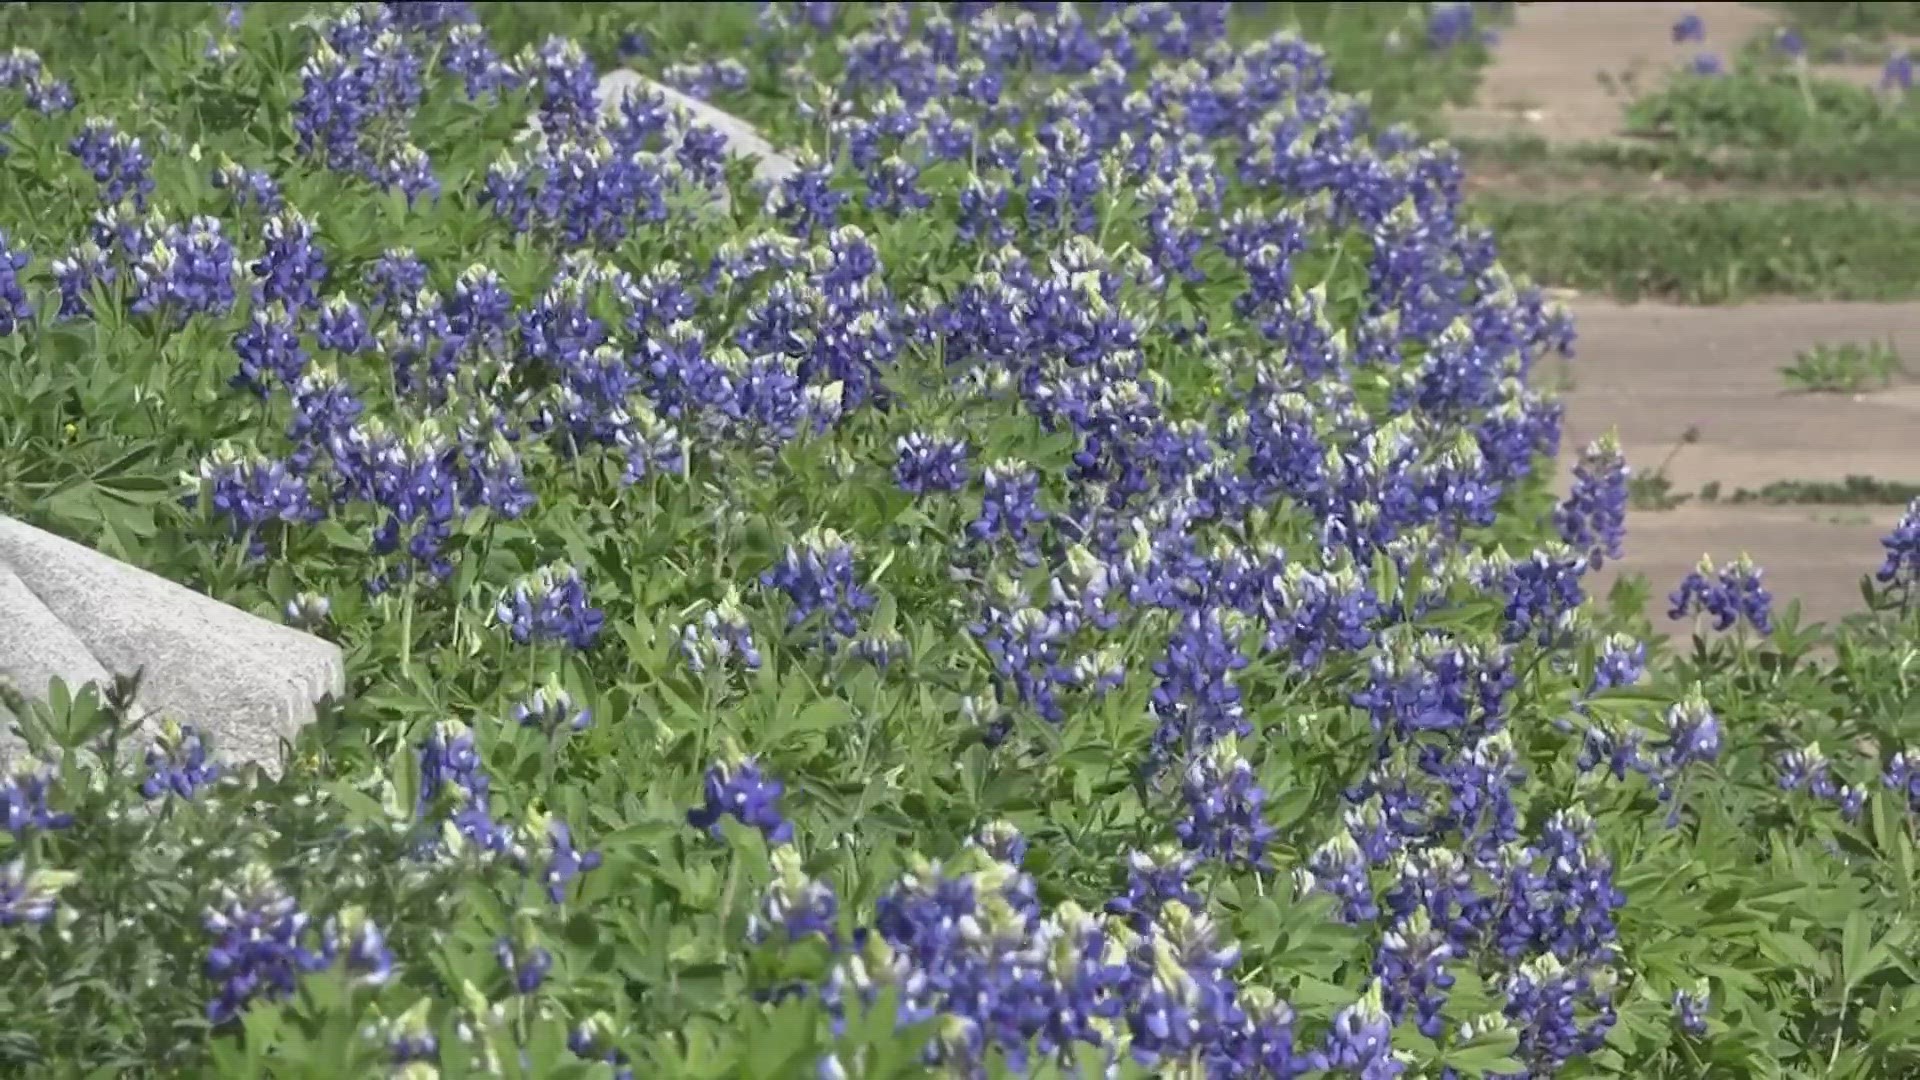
(1853, 491)
(1711, 250)
(1874, 164)
(1847, 368)
(1754, 108)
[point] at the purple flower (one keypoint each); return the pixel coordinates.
(550, 708)
(269, 350)
(1708, 64)
(1689, 27)
(14, 306)
(795, 906)
(1790, 43)
(1361, 1041)
(721, 634)
(1224, 809)
(1690, 1010)
(292, 269)
(23, 801)
(118, 162)
(551, 605)
(76, 274)
(1593, 517)
(1898, 72)
(29, 896)
(177, 763)
(526, 966)
(1902, 565)
(261, 945)
(1730, 595)
(253, 187)
(185, 272)
(818, 576)
(929, 463)
(735, 787)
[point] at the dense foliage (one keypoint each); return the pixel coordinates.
(1064, 583)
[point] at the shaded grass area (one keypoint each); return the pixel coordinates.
(1711, 251)
(1888, 166)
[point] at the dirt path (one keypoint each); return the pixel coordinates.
(1551, 71)
(1652, 371)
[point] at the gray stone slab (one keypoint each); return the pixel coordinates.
(68, 611)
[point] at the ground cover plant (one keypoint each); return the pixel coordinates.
(1756, 138)
(1064, 583)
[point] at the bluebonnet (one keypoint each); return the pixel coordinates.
(1619, 662)
(1225, 807)
(805, 199)
(1339, 868)
(1790, 43)
(1730, 595)
(396, 277)
(550, 707)
(1559, 1013)
(1898, 72)
(14, 306)
(262, 944)
(1689, 27)
(1902, 777)
(118, 162)
(76, 274)
(358, 944)
(1807, 767)
(29, 896)
(411, 485)
(1196, 700)
(249, 187)
(818, 576)
(24, 801)
(525, 965)
(1011, 507)
(592, 1039)
(1449, 24)
(736, 787)
(494, 477)
(251, 492)
(342, 327)
(292, 269)
(1690, 1010)
(408, 170)
(1901, 567)
(186, 271)
(1708, 64)
(551, 604)
(307, 611)
(927, 463)
(325, 409)
(794, 905)
(1593, 516)
(270, 351)
(1360, 1042)
(21, 68)
(470, 56)
(1025, 645)
(1558, 896)
(1410, 969)
(177, 763)
(409, 1037)
(545, 841)
(449, 763)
